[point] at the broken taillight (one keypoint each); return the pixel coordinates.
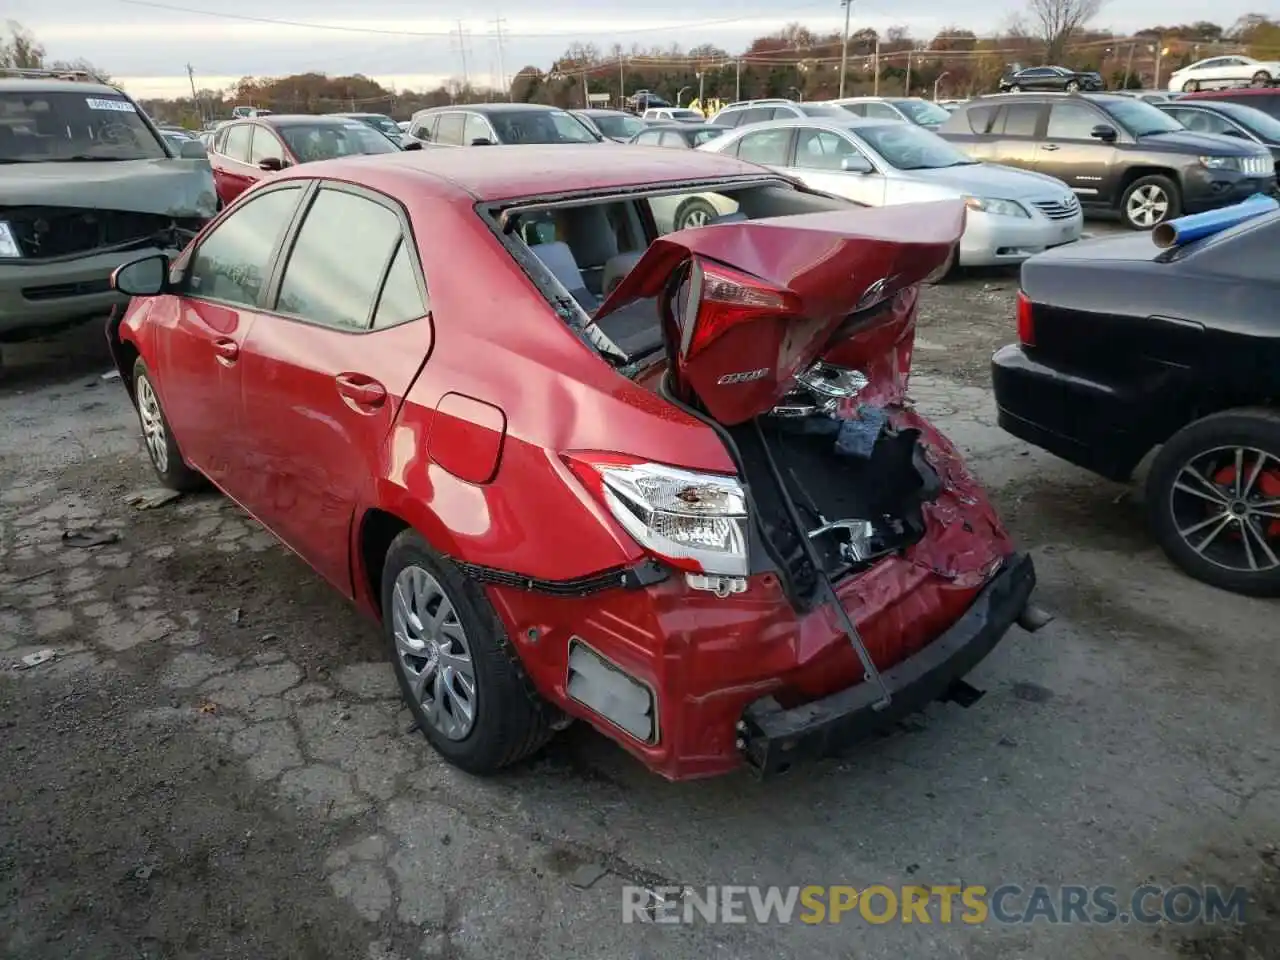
(714, 298)
(1026, 321)
(694, 521)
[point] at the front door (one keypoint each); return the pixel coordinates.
(204, 328)
(818, 164)
(1071, 153)
(325, 370)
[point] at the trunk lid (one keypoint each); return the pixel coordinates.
(748, 306)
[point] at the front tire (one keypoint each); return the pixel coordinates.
(1191, 86)
(1213, 497)
(1150, 201)
(162, 446)
(1073, 87)
(457, 670)
(1260, 79)
(1015, 88)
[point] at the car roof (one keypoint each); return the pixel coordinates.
(832, 123)
(1049, 94)
(41, 85)
(296, 119)
(603, 112)
(682, 127)
(1234, 92)
(504, 173)
(492, 108)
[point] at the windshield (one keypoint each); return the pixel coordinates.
(42, 127)
(1141, 119)
(705, 136)
(821, 110)
(383, 125)
(1263, 124)
(541, 126)
(618, 125)
(922, 112)
(324, 141)
(909, 147)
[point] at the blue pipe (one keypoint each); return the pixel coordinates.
(1176, 233)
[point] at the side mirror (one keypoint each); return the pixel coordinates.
(271, 164)
(482, 142)
(192, 150)
(1104, 132)
(856, 164)
(413, 144)
(142, 278)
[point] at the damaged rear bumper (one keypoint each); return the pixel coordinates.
(774, 739)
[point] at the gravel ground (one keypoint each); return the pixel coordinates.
(215, 764)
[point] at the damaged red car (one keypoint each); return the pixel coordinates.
(669, 485)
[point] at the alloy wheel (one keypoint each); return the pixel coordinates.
(697, 217)
(1225, 504)
(433, 653)
(153, 432)
(1147, 206)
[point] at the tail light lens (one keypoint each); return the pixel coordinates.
(1026, 321)
(693, 521)
(714, 299)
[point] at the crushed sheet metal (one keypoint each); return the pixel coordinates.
(165, 186)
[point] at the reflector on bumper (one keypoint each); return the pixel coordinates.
(603, 687)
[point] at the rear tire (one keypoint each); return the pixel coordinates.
(508, 720)
(1181, 519)
(1260, 79)
(1191, 86)
(1015, 88)
(1149, 201)
(162, 446)
(1073, 87)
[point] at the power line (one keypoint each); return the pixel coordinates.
(498, 26)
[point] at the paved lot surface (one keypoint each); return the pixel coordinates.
(215, 764)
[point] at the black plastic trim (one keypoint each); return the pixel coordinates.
(636, 577)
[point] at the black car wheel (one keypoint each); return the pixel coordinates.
(1015, 88)
(458, 672)
(1150, 201)
(157, 435)
(1073, 86)
(1190, 87)
(1261, 79)
(1213, 495)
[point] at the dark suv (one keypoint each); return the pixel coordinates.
(1120, 155)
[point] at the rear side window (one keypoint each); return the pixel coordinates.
(651, 137)
(236, 144)
(757, 115)
(882, 111)
(328, 279)
(980, 118)
(1017, 120)
(450, 129)
(400, 299)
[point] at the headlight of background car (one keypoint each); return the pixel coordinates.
(8, 242)
(1221, 163)
(1002, 208)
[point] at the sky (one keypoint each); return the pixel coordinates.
(413, 43)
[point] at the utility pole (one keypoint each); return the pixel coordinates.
(702, 103)
(498, 26)
(1128, 67)
(844, 47)
(622, 81)
(875, 90)
(195, 100)
(586, 97)
(737, 80)
(462, 53)
(1155, 84)
(907, 91)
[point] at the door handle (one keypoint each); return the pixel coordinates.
(1048, 146)
(228, 350)
(360, 390)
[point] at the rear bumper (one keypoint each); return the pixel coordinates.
(1101, 426)
(774, 739)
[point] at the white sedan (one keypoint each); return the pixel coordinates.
(1013, 214)
(1221, 72)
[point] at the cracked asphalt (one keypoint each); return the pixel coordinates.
(215, 763)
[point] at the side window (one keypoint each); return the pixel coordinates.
(1202, 121)
(265, 146)
(882, 111)
(821, 150)
(476, 128)
(1072, 121)
(857, 109)
(401, 299)
(236, 144)
(755, 115)
(1017, 120)
(980, 118)
(328, 279)
(233, 261)
(672, 139)
(649, 137)
(1210, 64)
(422, 129)
(766, 147)
(449, 130)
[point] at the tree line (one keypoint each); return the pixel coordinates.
(795, 62)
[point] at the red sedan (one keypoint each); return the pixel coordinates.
(244, 151)
(671, 486)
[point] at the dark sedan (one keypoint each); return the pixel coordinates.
(617, 125)
(1124, 347)
(1229, 119)
(1051, 79)
(684, 136)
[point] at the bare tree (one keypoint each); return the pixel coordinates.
(1057, 20)
(22, 50)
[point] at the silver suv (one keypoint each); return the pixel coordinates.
(743, 112)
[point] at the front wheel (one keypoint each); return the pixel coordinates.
(162, 446)
(1073, 87)
(1150, 201)
(457, 670)
(1213, 496)
(1190, 87)
(1015, 88)
(1261, 79)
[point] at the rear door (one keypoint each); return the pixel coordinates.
(1015, 131)
(231, 168)
(325, 369)
(450, 130)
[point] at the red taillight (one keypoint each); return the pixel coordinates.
(1026, 321)
(718, 298)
